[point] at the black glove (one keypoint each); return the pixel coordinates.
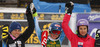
(69, 7)
(5, 30)
(30, 8)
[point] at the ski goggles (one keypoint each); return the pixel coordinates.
(56, 32)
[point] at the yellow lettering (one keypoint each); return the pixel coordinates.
(57, 17)
(45, 30)
(53, 17)
(21, 16)
(41, 17)
(28, 41)
(34, 32)
(16, 16)
(23, 29)
(5, 29)
(36, 40)
(45, 26)
(1, 16)
(33, 39)
(61, 16)
(49, 25)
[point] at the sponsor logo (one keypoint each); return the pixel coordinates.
(82, 22)
(14, 44)
(57, 25)
(18, 26)
(44, 34)
(80, 43)
(53, 42)
(92, 18)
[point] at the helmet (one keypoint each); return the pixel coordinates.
(82, 22)
(14, 25)
(55, 26)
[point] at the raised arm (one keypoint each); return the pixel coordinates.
(30, 10)
(68, 32)
(62, 36)
(37, 28)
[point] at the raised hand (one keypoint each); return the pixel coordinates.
(69, 7)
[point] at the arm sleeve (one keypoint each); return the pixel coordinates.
(61, 38)
(37, 28)
(68, 32)
(30, 28)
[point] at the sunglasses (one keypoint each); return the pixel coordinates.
(56, 32)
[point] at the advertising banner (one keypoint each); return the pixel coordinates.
(22, 16)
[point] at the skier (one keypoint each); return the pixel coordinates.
(13, 37)
(81, 39)
(97, 40)
(55, 37)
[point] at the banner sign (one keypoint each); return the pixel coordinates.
(22, 16)
(89, 17)
(94, 22)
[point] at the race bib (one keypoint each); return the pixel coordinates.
(80, 44)
(14, 44)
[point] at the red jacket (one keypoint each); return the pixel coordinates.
(74, 39)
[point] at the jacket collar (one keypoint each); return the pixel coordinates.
(12, 37)
(53, 39)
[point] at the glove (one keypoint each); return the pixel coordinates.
(5, 30)
(31, 9)
(69, 7)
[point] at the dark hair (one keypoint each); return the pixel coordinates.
(78, 29)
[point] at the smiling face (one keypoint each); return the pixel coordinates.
(83, 30)
(54, 36)
(16, 33)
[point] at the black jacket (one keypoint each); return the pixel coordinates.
(20, 41)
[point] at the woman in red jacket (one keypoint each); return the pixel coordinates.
(82, 39)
